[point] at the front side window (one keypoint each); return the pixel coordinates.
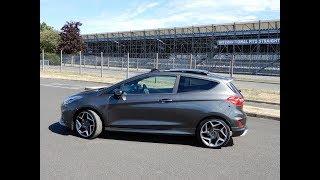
(188, 84)
(150, 85)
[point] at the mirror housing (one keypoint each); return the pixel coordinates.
(119, 94)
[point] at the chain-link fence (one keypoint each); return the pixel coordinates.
(259, 64)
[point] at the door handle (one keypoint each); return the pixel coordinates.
(165, 100)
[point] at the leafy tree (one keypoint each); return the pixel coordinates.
(71, 41)
(44, 26)
(49, 41)
(49, 38)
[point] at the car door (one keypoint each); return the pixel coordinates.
(145, 103)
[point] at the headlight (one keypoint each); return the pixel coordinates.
(71, 99)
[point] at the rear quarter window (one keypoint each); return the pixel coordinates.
(188, 84)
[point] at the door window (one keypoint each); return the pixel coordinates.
(150, 85)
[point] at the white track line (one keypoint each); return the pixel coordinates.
(66, 85)
(61, 86)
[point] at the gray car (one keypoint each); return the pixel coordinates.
(176, 102)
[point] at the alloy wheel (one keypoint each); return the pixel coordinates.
(214, 133)
(85, 124)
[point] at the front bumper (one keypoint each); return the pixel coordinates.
(65, 123)
(66, 117)
(62, 122)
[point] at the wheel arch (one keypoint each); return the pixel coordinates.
(216, 116)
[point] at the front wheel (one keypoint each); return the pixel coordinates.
(213, 133)
(88, 124)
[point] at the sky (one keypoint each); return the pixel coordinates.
(99, 16)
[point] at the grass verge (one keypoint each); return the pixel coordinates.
(68, 75)
(261, 95)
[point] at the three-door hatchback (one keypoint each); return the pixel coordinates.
(177, 102)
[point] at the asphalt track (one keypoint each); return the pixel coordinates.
(138, 156)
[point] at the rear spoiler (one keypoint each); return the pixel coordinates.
(222, 77)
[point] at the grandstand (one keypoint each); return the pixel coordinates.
(254, 47)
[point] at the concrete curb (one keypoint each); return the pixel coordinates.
(254, 101)
(254, 111)
(257, 81)
(262, 116)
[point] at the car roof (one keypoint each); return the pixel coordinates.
(194, 73)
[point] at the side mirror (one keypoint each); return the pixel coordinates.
(119, 94)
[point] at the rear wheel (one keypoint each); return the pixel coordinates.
(213, 133)
(88, 124)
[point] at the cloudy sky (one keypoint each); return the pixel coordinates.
(124, 15)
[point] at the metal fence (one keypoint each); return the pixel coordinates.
(258, 64)
(44, 62)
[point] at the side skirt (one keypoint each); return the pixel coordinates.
(187, 132)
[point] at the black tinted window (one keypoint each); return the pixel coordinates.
(187, 84)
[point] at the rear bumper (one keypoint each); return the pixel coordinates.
(239, 131)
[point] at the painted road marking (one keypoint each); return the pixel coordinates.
(65, 86)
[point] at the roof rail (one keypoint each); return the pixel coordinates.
(192, 71)
(196, 71)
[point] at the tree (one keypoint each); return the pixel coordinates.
(49, 40)
(44, 26)
(71, 41)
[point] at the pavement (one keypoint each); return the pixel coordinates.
(138, 156)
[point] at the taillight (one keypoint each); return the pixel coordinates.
(236, 100)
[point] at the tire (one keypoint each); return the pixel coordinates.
(215, 136)
(94, 118)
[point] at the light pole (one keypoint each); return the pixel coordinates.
(61, 60)
(157, 55)
(80, 70)
(128, 66)
(101, 63)
(42, 59)
(120, 52)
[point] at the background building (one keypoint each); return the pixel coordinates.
(254, 47)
